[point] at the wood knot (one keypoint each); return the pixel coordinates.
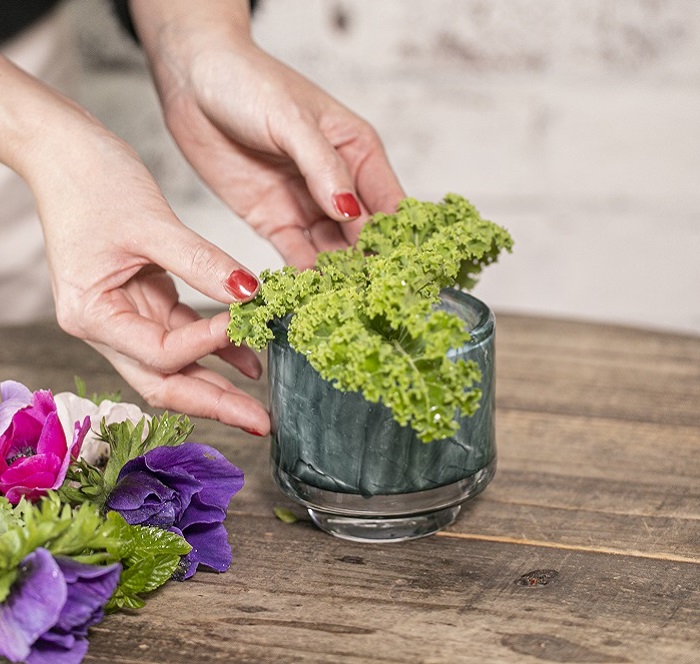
(537, 578)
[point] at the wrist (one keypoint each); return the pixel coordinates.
(46, 138)
(175, 33)
(32, 115)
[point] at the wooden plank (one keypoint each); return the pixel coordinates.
(297, 595)
(665, 538)
(604, 371)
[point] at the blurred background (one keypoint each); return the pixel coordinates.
(576, 125)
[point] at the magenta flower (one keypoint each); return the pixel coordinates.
(46, 617)
(34, 452)
(185, 489)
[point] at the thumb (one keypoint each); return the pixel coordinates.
(199, 263)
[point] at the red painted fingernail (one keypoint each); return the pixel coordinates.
(347, 205)
(241, 284)
(253, 432)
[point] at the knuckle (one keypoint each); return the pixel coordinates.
(70, 318)
(202, 258)
(154, 396)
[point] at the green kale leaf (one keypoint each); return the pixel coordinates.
(366, 317)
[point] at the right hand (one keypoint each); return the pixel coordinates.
(302, 169)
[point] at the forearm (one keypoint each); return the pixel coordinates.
(174, 32)
(22, 109)
(70, 161)
(152, 16)
(40, 129)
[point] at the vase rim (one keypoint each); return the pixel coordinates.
(485, 323)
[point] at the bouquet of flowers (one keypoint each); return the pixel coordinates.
(100, 504)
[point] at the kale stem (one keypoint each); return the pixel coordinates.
(410, 361)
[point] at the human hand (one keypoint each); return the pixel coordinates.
(110, 238)
(298, 166)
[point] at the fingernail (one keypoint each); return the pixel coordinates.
(241, 284)
(347, 205)
(253, 432)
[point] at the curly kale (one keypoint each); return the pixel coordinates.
(366, 317)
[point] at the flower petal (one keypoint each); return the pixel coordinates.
(220, 479)
(89, 588)
(210, 547)
(71, 409)
(48, 652)
(162, 462)
(25, 469)
(142, 498)
(13, 397)
(52, 438)
(80, 432)
(42, 404)
(30, 477)
(22, 433)
(198, 512)
(33, 606)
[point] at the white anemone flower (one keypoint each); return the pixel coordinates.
(71, 409)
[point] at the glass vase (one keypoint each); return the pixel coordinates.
(360, 474)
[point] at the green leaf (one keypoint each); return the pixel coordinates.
(285, 515)
(150, 556)
(80, 533)
(7, 578)
(8, 518)
(83, 483)
(96, 398)
(167, 431)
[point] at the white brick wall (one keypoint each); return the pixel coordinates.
(574, 124)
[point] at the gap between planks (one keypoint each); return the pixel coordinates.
(667, 557)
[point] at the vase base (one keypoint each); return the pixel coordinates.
(384, 517)
(388, 529)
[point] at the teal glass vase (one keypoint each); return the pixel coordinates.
(360, 474)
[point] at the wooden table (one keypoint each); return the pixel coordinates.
(585, 548)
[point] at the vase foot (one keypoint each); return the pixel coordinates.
(384, 529)
(384, 517)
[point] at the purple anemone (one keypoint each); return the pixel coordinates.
(52, 604)
(185, 489)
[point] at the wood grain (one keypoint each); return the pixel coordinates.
(597, 493)
(295, 595)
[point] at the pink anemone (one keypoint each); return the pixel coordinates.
(34, 451)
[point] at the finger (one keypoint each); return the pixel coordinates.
(326, 173)
(198, 396)
(150, 343)
(240, 357)
(201, 264)
(326, 235)
(295, 246)
(196, 391)
(377, 184)
(351, 230)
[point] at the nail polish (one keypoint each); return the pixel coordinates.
(347, 205)
(252, 432)
(241, 284)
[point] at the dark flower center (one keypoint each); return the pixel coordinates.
(23, 453)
